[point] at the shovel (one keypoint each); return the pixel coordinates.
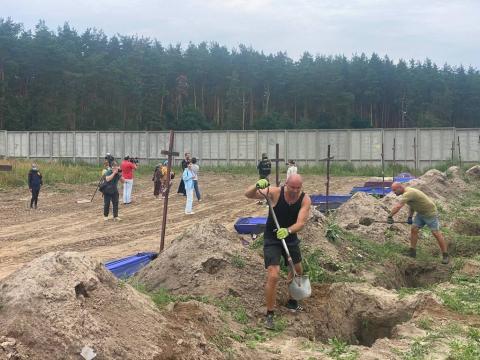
(299, 287)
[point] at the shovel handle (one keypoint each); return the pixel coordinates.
(289, 258)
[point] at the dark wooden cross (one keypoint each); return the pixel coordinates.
(277, 160)
(327, 190)
(170, 153)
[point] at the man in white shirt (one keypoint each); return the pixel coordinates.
(292, 168)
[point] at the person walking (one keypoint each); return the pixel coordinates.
(291, 206)
(196, 170)
(157, 181)
(427, 214)
(128, 167)
(292, 168)
(35, 182)
(181, 186)
(111, 175)
(187, 178)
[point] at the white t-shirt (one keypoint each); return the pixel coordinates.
(195, 170)
(291, 170)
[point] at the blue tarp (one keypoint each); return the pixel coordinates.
(319, 199)
(371, 190)
(403, 179)
(251, 225)
(128, 266)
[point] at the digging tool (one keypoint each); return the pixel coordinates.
(299, 287)
(85, 201)
(369, 221)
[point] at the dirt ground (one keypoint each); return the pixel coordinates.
(63, 302)
(60, 224)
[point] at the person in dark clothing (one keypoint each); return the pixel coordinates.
(111, 174)
(291, 206)
(181, 186)
(264, 167)
(157, 181)
(34, 184)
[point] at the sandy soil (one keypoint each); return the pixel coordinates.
(60, 224)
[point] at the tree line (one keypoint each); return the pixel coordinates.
(64, 80)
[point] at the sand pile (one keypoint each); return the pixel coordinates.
(441, 187)
(207, 259)
(63, 301)
(474, 172)
(351, 215)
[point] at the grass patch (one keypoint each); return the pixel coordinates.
(233, 305)
(333, 231)
(463, 297)
(340, 350)
(53, 172)
(257, 243)
(464, 350)
(238, 261)
(373, 250)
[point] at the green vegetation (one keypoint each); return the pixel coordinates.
(238, 261)
(340, 350)
(73, 68)
(464, 296)
(53, 173)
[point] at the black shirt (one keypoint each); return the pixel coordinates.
(287, 215)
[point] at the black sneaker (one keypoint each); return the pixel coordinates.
(412, 253)
(445, 259)
(293, 306)
(269, 323)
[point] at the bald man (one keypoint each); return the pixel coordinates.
(291, 206)
(426, 215)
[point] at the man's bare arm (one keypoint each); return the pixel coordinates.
(302, 215)
(396, 208)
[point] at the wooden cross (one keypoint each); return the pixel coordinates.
(327, 190)
(170, 153)
(277, 160)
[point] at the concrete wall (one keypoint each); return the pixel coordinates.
(360, 147)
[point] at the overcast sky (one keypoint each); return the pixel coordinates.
(442, 30)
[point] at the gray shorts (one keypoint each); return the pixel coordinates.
(432, 222)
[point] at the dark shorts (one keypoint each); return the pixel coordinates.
(272, 254)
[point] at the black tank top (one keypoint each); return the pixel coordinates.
(286, 215)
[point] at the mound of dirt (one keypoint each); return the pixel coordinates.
(474, 172)
(361, 207)
(441, 186)
(207, 259)
(63, 301)
(467, 227)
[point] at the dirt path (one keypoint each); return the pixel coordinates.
(62, 224)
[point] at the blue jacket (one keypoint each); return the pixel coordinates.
(34, 179)
(187, 178)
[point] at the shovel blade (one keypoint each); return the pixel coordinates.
(300, 287)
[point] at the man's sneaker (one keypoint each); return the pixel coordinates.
(445, 259)
(117, 219)
(412, 253)
(293, 306)
(105, 218)
(269, 323)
